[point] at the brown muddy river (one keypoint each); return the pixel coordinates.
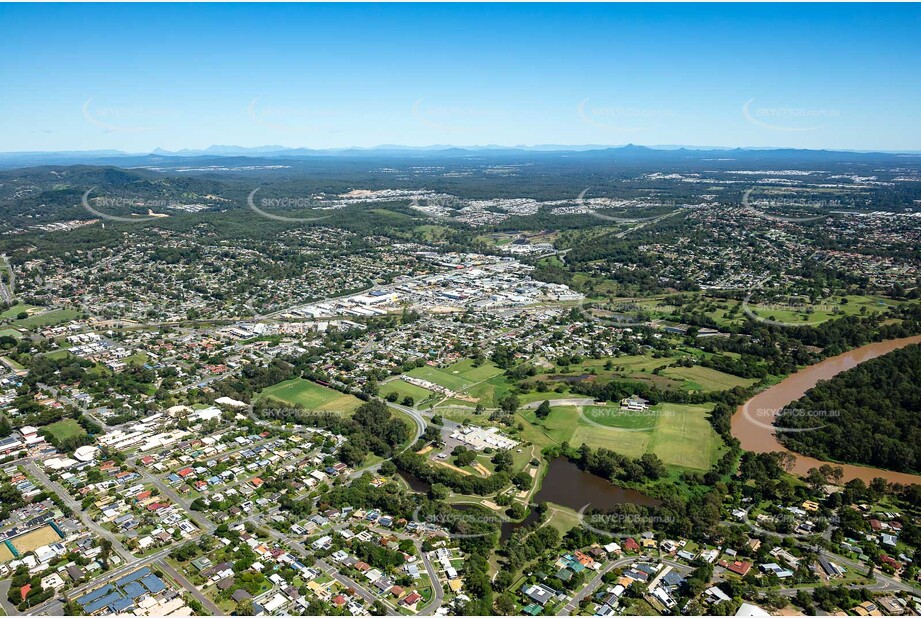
(752, 422)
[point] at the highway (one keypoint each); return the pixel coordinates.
(7, 290)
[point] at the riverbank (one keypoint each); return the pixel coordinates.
(752, 424)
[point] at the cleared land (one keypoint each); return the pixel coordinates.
(31, 540)
(311, 396)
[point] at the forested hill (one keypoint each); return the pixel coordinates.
(868, 415)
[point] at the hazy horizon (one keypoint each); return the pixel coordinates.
(836, 77)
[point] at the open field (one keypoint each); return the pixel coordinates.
(57, 354)
(64, 429)
(466, 369)
(728, 312)
(629, 443)
(491, 391)
(403, 389)
(441, 377)
(486, 382)
(15, 310)
(9, 362)
(680, 435)
(685, 438)
(642, 367)
(49, 318)
(706, 379)
(10, 332)
(31, 540)
(311, 396)
(557, 427)
(614, 416)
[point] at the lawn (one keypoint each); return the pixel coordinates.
(629, 443)
(557, 428)
(491, 391)
(614, 416)
(679, 434)
(9, 332)
(57, 354)
(64, 429)
(481, 381)
(48, 318)
(823, 310)
(9, 362)
(466, 369)
(706, 379)
(441, 377)
(15, 310)
(403, 389)
(685, 438)
(311, 396)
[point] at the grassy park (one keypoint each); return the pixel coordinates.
(66, 428)
(680, 435)
(311, 396)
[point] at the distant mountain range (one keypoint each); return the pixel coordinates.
(274, 152)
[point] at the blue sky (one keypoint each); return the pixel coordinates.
(136, 77)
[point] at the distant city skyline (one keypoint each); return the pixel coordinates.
(139, 77)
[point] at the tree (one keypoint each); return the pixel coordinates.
(543, 410)
(509, 403)
(505, 604)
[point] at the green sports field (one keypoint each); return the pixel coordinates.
(66, 428)
(441, 377)
(680, 435)
(16, 309)
(460, 376)
(48, 318)
(614, 416)
(311, 396)
(403, 389)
